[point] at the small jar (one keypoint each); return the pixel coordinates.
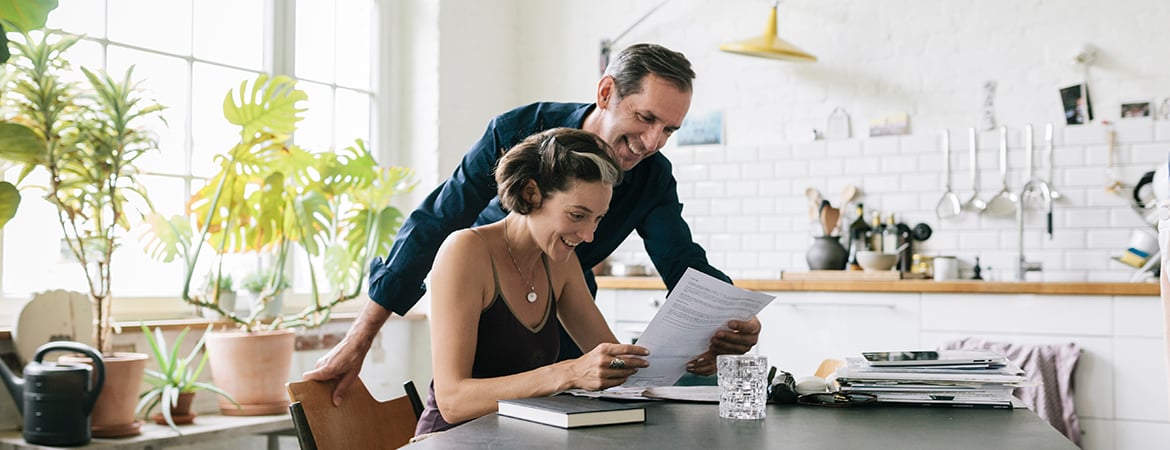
(921, 264)
(946, 268)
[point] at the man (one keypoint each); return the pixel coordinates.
(641, 100)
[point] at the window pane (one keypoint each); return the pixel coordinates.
(32, 245)
(316, 131)
(353, 117)
(153, 24)
(163, 79)
(314, 44)
(132, 271)
(211, 134)
(87, 54)
(353, 43)
(80, 17)
(235, 39)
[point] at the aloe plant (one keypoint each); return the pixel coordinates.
(271, 196)
(175, 375)
(87, 137)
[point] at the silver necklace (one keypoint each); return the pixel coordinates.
(508, 246)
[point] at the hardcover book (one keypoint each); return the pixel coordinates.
(566, 411)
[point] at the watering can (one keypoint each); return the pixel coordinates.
(56, 399)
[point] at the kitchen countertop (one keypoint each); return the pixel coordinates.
(942, 287)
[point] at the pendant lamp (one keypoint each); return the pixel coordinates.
(769, 45)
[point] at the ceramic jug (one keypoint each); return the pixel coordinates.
(826, 253)
(56, 399)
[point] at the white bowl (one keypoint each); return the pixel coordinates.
(877, 260)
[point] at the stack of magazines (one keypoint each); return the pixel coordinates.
(970, 378)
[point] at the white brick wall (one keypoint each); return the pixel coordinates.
(752, 217)
(745, 201)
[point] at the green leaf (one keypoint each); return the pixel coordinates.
(19, 143)
(268, 105)
(9, 202)
(26, 15)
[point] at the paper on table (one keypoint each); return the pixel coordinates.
(698, 306)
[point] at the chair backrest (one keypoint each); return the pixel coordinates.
(360, 421)
(828, 366)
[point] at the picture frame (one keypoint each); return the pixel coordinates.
(1139, 109)
(1077, 104)
(890, 125)
(701, 129)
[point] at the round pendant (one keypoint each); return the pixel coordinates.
(532, 297)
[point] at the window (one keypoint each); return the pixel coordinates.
(187, 55)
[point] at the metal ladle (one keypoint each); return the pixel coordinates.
(948, 206)
(1051, 148)
(1004, 203)
(974, 204)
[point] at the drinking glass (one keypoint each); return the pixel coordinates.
(743, 386)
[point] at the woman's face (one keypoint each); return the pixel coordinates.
(566, 219)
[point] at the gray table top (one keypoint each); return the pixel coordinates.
(690, 425)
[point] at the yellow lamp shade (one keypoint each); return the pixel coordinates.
(769, 45)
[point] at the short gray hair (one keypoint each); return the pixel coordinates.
(638, 60)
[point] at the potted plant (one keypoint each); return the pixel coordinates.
(275, 198)
(265, 290)
(86, 137)
(174, 384)
(223, 288)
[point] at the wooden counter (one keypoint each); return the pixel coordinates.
(948, 287)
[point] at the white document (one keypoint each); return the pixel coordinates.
(682, 329)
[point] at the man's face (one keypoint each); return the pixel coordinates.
(638, 125)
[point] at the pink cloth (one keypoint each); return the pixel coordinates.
(1051, 367)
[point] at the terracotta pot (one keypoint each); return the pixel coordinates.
(181, 414)
(253, 368)
(113, 414)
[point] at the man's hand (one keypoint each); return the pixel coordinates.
(741, 337)
(343, 362)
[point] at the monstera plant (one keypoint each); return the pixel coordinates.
(273, 197)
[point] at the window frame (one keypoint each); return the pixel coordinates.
(279, 49)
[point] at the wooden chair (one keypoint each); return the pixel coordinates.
(360, 421)
(828, 366)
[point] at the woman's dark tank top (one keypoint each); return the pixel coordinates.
(504, 346)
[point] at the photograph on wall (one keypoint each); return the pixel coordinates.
(701, 129)
(1078, 108)
(891, 125)
(1135, 109)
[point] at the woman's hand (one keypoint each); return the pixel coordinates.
(607, 365)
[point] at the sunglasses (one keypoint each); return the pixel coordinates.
(837, 399)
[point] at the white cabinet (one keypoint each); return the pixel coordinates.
(800, 329)
(627, 312)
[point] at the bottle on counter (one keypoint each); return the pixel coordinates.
(890, 235)
(874, 236)
(858, 231)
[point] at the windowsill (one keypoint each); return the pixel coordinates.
(206, 427)
(180, 323)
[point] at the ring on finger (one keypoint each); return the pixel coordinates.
(617, 363)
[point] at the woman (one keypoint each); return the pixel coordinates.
(494, 333)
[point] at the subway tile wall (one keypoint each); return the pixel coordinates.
(746, 204)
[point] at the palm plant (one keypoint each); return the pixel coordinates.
(87, 138)
(271, 196)
(175, 374)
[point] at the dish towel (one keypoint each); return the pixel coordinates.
(1051, 367)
